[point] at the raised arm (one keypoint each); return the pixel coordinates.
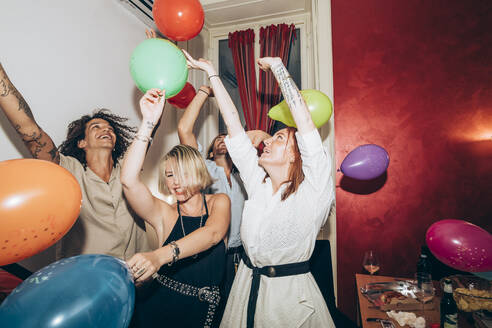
(187, 121)
(292, 96)
(20, 116)
(214, 230)
(226, 105)
(137, 193)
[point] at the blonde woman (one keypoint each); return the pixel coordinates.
(188, 267)
(290, 191)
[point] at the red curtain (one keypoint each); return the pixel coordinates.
(242, 46)
(275, 41)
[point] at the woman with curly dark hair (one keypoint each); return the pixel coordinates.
(91, 152)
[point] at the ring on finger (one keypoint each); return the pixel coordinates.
(140, 271)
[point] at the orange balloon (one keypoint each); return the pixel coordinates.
(39, 203)
(179, 20)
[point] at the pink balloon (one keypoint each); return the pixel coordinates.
(461, 245)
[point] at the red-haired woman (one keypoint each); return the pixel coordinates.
(290, 190)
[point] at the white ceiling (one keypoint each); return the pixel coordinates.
(224, 12)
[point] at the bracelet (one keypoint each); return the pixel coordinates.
(175, 251)
(143, 138)
(211, 76)
(208, 94)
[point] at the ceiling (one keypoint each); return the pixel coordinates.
(225, 12)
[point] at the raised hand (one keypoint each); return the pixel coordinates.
(152, 104)
(202, 64)
(150, 34)
(266, 63)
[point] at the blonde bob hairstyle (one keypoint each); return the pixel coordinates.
(188, 165)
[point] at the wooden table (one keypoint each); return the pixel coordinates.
(367, 310)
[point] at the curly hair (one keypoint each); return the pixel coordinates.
(76, 132)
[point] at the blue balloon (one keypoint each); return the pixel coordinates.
(80, 291)
(484, 275)
(365, 162)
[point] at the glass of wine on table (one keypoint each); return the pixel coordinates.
(371, 262)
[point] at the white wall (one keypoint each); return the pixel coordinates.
(69, 57)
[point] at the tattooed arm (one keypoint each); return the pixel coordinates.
(20, 116)
(296, 103)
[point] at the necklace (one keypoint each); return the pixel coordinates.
(201, 222)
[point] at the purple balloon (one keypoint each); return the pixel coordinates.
(461, 245)
(365, 162)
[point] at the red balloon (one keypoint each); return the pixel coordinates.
(461, 245)
(184, 97)
(179, 20)
(39, 203)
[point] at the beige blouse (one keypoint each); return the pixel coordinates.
(105, 224)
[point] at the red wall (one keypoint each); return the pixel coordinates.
(414, 77)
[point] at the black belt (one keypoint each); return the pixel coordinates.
(234, 250)
(271, 271)
(211, 295)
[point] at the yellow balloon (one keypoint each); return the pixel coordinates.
(318, 103)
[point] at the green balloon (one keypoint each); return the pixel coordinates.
(158, 63)
(318, 103)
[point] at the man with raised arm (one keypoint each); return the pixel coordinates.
(91, 152)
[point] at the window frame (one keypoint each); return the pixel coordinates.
(301, 21)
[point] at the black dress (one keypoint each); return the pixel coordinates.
(169, 301)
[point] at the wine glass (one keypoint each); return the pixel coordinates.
(371, 262)
(424, 290)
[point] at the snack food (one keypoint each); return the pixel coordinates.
(469, 300)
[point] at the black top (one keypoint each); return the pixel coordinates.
(159, 306)
(205, 270)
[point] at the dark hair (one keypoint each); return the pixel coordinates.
(296, 175)
(210, 151)
(76, 132)
(211, 147)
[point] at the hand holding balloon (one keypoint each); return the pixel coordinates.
(266, 63)
(201, 64)
(150, 34)
(318, 103)
(152, 104)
